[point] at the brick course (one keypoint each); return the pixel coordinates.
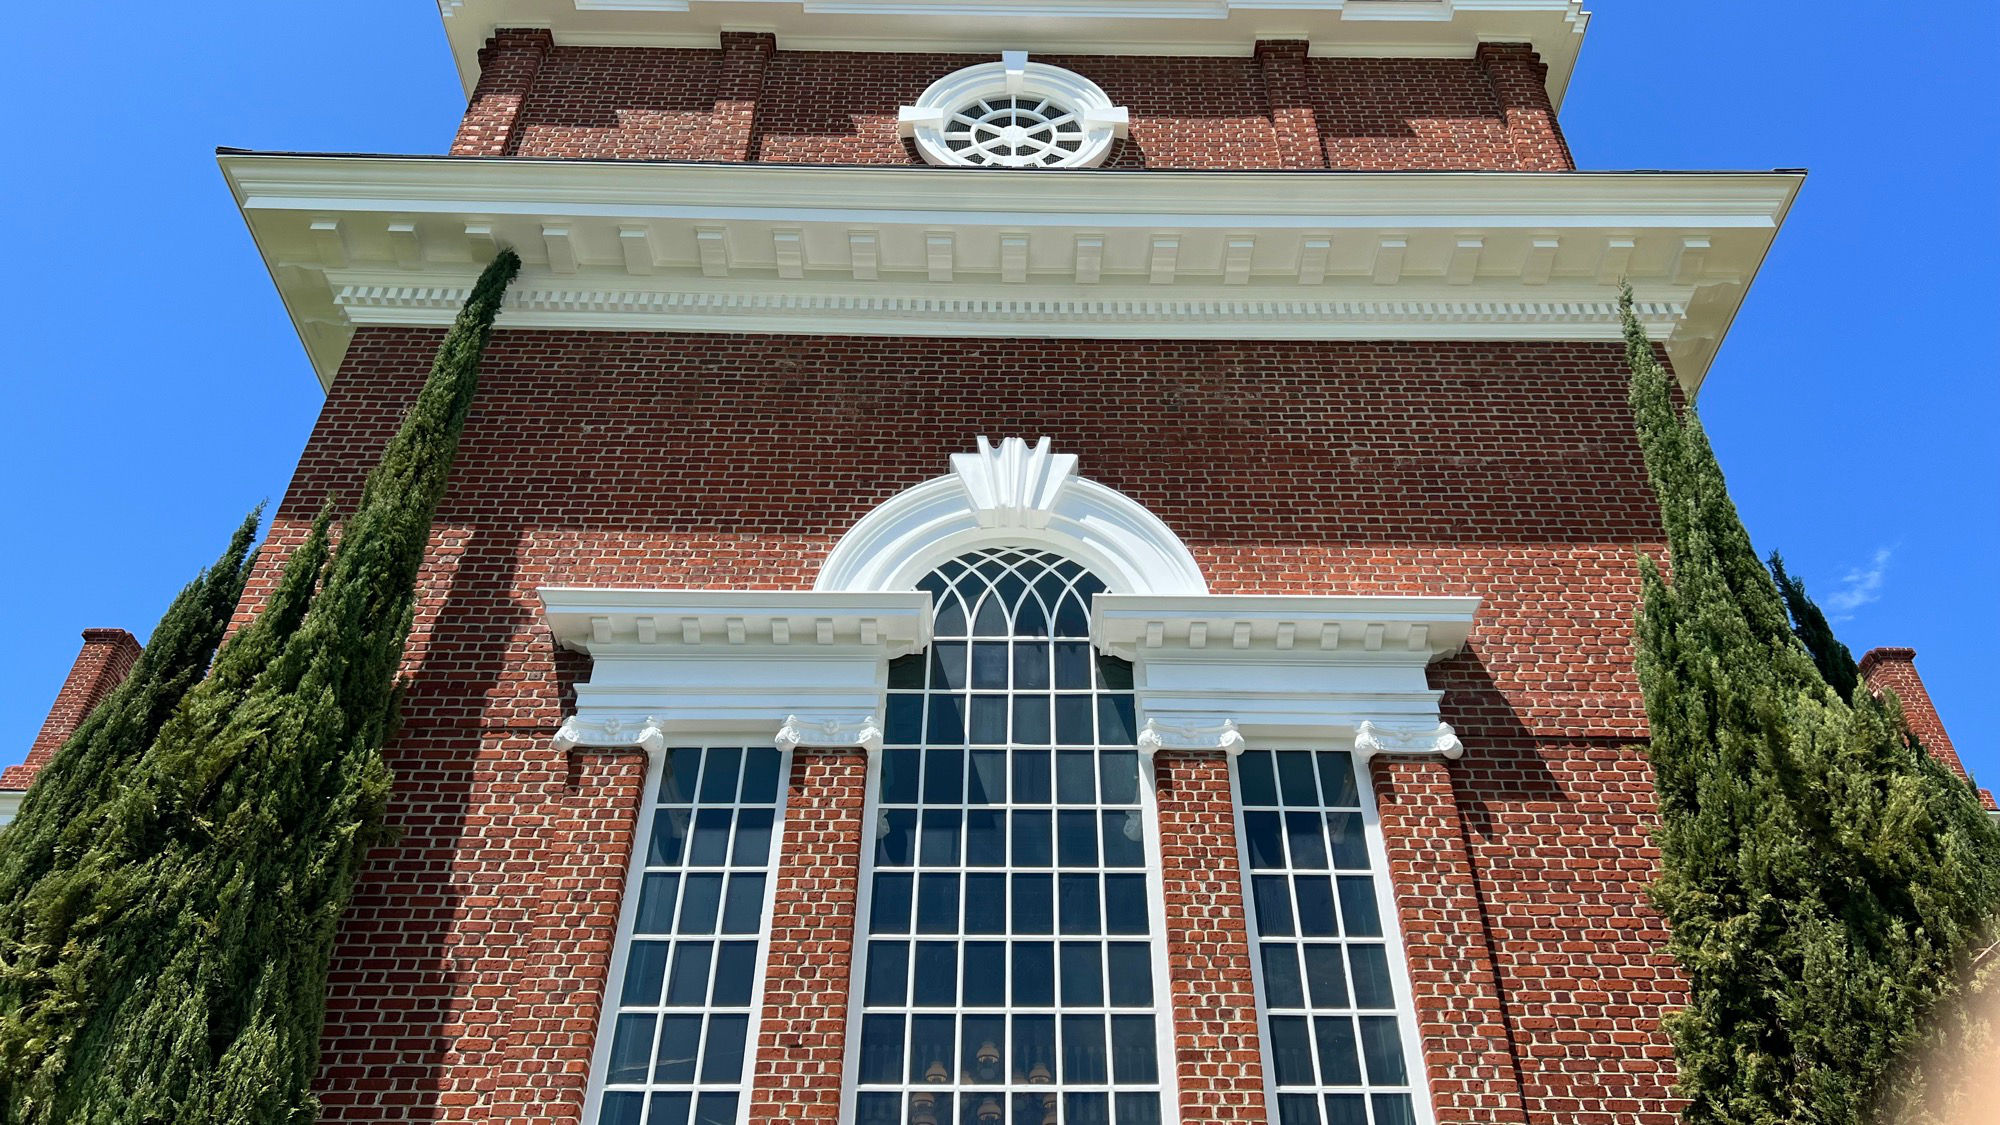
(1277, 108)
(1506, 470)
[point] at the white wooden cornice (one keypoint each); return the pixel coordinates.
(1433, 28)
(980, 252)
(1226, 671)
(793, 667)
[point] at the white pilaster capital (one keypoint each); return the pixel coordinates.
(1440, 740)
(1200, 734)
(576, 731)
(830, 730)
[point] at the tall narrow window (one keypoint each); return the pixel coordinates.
(1336, 1031)
(687, 972)
(1009, 972)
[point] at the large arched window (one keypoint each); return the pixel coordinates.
(1012, 918)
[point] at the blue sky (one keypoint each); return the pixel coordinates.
(158, 392)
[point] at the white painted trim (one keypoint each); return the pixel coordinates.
(928, 121)
(1022, 496)
(10, 805)
(1038, 252)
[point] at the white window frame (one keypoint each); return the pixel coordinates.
(1102, 122)
(628, 916)
(1386, 908)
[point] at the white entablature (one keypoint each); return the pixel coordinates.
(902, 251)
(1433, 28)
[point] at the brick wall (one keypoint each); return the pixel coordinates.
(750, 101)
(103, 663)
(1895, 670)
(1506, 470)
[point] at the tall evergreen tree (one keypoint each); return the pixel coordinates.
(1825, 884)
(235, 860)
(53, 828)
(1810, 626)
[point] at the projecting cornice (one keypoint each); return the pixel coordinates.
(1404, 28)
(354, 240)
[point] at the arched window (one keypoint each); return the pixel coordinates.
(1009, 973)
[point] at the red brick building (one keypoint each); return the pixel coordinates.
(1071, 566)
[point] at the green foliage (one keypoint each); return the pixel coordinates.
(1825, 883)
(222, 872)
(1836, 664)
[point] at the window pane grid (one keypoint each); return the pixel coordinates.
(1009, 967)
(680, 1038)
(1333, 1028)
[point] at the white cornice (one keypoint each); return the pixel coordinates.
(1120, 27)
(960, 252)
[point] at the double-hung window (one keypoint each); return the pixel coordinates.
(685, 984)
(1338, 1035)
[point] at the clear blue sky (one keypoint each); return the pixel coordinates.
(157, 391)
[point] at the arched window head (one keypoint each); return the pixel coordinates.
(1014, 114)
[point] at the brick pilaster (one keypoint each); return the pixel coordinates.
(1468, 1053)
(1293, 119)
(1895, 670)
(802, 1039)
(1520, 82)
(745, 55)
(1217, 1049)
(507, 68)
(104, 662)
(558, 1000)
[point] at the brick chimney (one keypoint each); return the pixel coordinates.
(1895, 670)
(106, 659)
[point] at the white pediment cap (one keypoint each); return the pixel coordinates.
(1361, 626)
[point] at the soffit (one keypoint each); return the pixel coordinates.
(1451, 28)
(644, 246)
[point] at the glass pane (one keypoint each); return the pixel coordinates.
(944, 775)
(1083, 1054)
(1394, 1109)
(988, 781)
(1274, 905)
(719, 775)
(715, 1109)
(931, 1048)
(760, 776)
(1371, 976)
(899, 776)
(1035, 1048)
(722, 1060)
(1087, 1109)
(680, 1042)
(888, 972)
(1307, 847)
(622, 1109)
(677, 780)
(1131, 972)
(1073, 724)
(645, 969)
(1315, 895)
(669, 1108)
(1382, 1046)
(1031, 840)
(989, 665)
(1298, 1109)
(907, 672)
(631, 1043)
(985, 837)
(699, 900)
(1082, 974)
(896, 837)
(688, 984)
(1125, 904)
(1346, 1109)
(1338, 1064)
(710, 846)
(1031, 725)
(1073, 665)
(1261, 836)
(905, 727)
(1078, 895)
(1325, 977)
(1254, 776)
(1134, 1050)
(989, 720)
(743, 910)
(946, 723)
(1114, 674)
(1034, 904)
(1357, 906)
(880, 1109)
(948, 666)
(1031, 777)
(753, 838)
(1350, 846)
(1034, 974)
(1116, 723)
(735, 973)
(670, 829)
(983, 984)
(889, 905)
(982, 1050)
(881, 1048)
(1076, 776)
(1336, 770)
(940, 837)
(1031, 666)
(1291, 1051)
(1138, 1109)
(936, 979)
(1295, 780)
(986, 904)
(656, 904)
(1119, 771)
(937, 904)
(1281, 975)
(1124, 839)
(1076, 839)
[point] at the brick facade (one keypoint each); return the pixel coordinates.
(1894, 670)
(468, 980)
(103, 663)
(748, 100)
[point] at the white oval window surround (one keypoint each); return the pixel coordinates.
(1014, 114)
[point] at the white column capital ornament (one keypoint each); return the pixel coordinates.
(1194, 735)
(649, 736)
(1370, 740)
(833, 730)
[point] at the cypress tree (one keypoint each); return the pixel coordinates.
(52, 829)
(261, 796)
(1825, 883)
(1810, 626)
